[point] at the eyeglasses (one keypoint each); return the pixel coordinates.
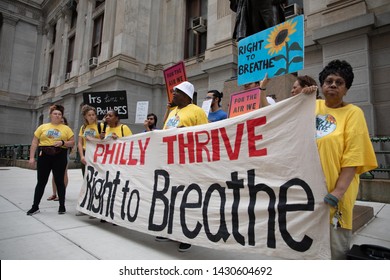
(338, 82)
(208, 97)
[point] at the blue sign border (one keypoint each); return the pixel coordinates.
(276, 51)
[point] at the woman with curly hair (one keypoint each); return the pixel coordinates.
(345, 151)
(90, 128)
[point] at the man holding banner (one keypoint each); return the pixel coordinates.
(184, 115)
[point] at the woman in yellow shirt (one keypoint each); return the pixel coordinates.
(88, 129)
(115, 129)
(52, 141)
(345, 151)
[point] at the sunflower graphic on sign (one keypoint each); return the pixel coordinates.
(274, 52)
(279, 39)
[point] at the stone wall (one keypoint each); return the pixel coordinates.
(376, 190)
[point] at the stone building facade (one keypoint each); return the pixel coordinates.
(52, 51)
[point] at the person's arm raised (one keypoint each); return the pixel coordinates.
(263, 89)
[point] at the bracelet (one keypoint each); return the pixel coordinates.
(331, 200)
(63, 142)
(263, 88)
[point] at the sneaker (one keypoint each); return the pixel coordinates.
(161, 239)
(184, 247)
(80, 214)
(61, 210)
(32, 211)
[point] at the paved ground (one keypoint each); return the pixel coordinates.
(49, 236)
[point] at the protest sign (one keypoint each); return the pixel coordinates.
(244, 101)
(277, 51)
(142, 111)
(253, 182)
(104, 101)
(206, 106)
(173, 76)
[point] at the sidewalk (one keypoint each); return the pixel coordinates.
(49, 236)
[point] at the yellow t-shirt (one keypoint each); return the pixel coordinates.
(49, 133)
(190, 115)
(343, 141)
(118, 131)
(90, 130)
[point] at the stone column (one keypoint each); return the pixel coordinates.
(66, 15)
(78, 58)
(126, 28)
(6, 50)
(38, 62)
(108, 30)
(46, 45)
(220, 62)
(55, 79)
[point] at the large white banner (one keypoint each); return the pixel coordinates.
(253, 182)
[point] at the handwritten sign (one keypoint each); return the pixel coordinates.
(227, 185)
(173, 76)
(206, 106)
(105, 101)
(277, 51)
(244, 101)
(142, 111)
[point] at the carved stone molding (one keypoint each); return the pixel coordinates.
(25, 10)
(10, 20)
(333, 3)
(41, 30)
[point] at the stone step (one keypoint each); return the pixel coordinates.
(375, 190)
(361, 216)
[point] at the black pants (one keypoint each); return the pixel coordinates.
(83, 166)
(46, 164)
